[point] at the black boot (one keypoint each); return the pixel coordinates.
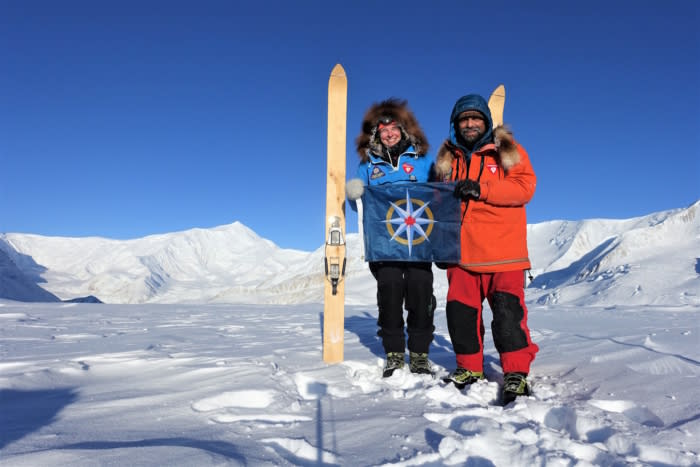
(514, 385)
(394, 361)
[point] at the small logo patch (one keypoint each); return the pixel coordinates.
(376, 173)
(493, 168)
(408, 168)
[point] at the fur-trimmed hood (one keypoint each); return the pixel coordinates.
(506, 147)
(396, 109)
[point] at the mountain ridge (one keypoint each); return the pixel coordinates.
(643, 260)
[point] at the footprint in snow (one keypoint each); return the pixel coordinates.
(239, 406)
(629, 409)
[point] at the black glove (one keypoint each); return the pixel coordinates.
(467, 189)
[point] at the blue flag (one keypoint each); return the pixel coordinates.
(411, 222)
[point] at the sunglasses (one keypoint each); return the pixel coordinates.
(386, 122)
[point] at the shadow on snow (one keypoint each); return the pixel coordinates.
(24, 412)
(221, 448)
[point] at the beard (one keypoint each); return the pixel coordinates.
(470, 136)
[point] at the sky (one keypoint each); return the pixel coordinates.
(127, 119)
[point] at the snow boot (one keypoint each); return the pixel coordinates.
(462, 377)
(394, 361)
(419, 363)
(514, 385)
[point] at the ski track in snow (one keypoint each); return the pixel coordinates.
(157, 385)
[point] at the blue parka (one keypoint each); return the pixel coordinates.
(410, 167)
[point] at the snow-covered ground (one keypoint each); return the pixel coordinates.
(89, 384)
(209, 352)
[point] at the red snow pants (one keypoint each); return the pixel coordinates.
(506, 297)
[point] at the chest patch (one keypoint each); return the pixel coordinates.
(376, 173)
(408, 168)
(493, 168)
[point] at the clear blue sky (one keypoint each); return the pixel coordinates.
(129, 118)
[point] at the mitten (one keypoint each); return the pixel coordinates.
(354, 189)
(467, 189)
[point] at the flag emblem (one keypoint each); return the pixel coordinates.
(410, 221)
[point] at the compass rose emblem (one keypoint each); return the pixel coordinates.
(410, 221)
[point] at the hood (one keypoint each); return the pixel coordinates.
(368, 140)
(471, 102)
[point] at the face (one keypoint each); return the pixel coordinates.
(471, 125)
(390, 135)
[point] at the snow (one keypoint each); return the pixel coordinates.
(154, 384)
(190, 374)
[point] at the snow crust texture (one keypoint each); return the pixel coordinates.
(89, 384)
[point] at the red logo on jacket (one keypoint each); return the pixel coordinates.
(408, 168)
(493, 168)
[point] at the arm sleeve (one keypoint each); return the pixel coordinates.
(362, 174)
(516, 188)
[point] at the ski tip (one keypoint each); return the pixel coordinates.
(499, 91)
(338, 70)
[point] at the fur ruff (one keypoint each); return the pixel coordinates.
(505, 145)
(508, 155)
(368, 139)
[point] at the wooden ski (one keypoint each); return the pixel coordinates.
(334, 293)
(496, 103)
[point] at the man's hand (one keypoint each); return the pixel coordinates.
(467, 189)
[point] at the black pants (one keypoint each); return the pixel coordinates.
(406, 284)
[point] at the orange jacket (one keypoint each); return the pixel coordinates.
(494, 227)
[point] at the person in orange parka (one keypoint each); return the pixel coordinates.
(495, 180)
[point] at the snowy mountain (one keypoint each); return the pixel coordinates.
(653, 259)
(613, 307)
(15, 284)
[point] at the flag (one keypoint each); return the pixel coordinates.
(411, 222)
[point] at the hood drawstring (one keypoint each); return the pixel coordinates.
(394, 153)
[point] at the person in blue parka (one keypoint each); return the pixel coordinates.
(392, 149)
